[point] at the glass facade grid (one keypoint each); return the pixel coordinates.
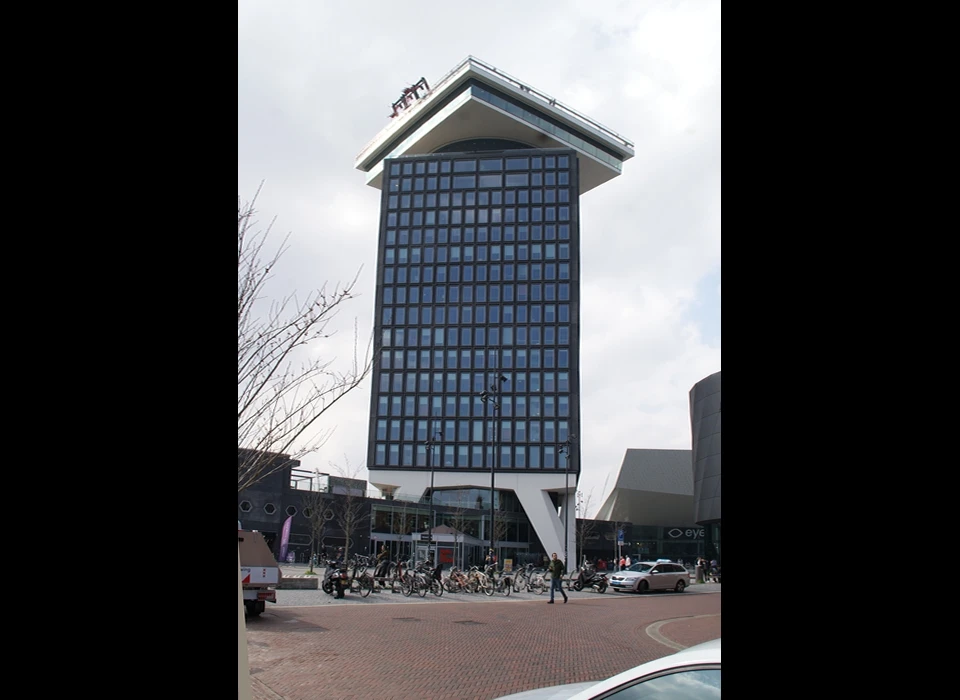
(458, 301)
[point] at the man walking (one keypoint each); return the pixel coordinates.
(556, 578)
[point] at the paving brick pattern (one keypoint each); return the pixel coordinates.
(470, 650)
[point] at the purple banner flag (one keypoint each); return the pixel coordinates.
(285, 538)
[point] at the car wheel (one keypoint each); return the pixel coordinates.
(642, 587)
(680, 586)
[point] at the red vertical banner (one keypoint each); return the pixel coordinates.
(285, 538)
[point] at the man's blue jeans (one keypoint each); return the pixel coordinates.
(556, 584)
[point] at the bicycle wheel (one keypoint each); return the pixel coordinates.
(436, 588)
(487, 587)
(406, 586)
(366, 586)
(507, 587)
(422, 587)
(536, 586)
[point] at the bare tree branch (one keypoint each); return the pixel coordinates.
(314, 504)
(457, 519)
(585, 527)
(349, 511)
(279, 397)
(500, 525)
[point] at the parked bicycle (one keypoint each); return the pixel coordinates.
(479, 581)
(502, 581)
(361, 581)
(537, 582)
(396, 576)
(427, 578)
(436, 580)
(521, 578)
(456, 581)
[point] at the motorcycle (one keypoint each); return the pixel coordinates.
(335, 580)
(589, 577)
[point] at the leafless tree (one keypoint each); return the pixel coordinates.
(315, 506)
(585, 527)
(350, 510)
(404, 522)
(500, 526)
(279, 396)
(457, 519)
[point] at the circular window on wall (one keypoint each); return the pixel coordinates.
(246, 506)
(269, 509)
(291, 510)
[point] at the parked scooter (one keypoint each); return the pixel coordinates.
(589, 577)
(335, 581)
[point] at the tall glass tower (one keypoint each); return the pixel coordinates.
(478, 293)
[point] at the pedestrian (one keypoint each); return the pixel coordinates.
(557, 569)
(627, 561)
(601, 564)
(701, 569)
(383, 563)
(623, 563)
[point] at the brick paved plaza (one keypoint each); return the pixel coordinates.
(470, 650)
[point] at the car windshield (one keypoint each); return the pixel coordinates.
(639, 567)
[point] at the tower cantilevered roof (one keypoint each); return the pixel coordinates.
(477, 101)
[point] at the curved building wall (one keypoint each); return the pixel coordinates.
(705, 433)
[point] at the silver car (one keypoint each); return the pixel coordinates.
(692, 674)
(651, 576)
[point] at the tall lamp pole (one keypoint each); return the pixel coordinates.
(435, 436)
(564, 448)
(492, 396)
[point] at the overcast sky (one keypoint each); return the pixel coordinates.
(316, 80)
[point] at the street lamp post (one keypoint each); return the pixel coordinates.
(492, 396)
(564, 448)
(435, 436)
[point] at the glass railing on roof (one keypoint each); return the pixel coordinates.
(553, 102)
(549, 127)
